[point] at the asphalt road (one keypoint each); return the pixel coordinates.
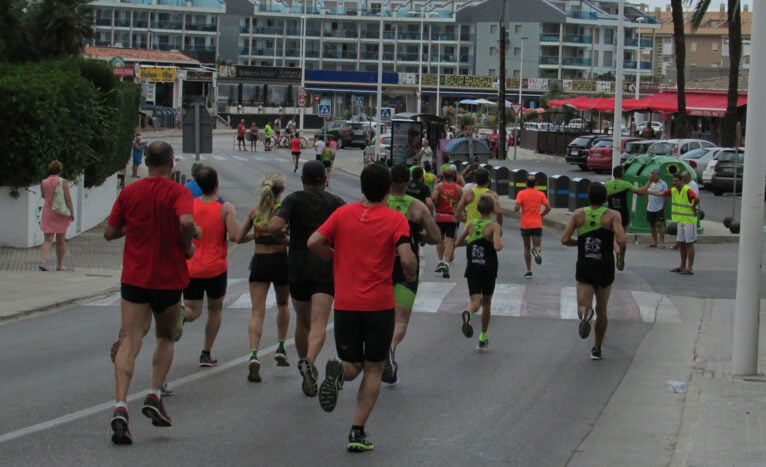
(531, 400)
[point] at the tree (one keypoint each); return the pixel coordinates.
(12, 32)
(62, 27)
(734, 20)
(679, 42)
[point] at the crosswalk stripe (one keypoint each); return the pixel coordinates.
(667, 311)
(506, 301)
(568, 306)
(243, 301)
(240, 158)
(219, 158)
(647, 304)
(430, 296)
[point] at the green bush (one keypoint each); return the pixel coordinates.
(71, 110)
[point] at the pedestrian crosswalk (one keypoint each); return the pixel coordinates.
(279, 157)
(513, 300)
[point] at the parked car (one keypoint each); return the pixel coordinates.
(656, 126)
(719, 174)
(635, 148)
(577, 150)
(600, 155)
(385, 148)
(698, 159)
(660, 148)
(576, 124)
(682, 146)
(347, 133)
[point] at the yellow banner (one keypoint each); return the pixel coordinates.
(157, 75)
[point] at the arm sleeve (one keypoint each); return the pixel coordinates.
(519, 197)
(330, 227)
(117, 217)
(184, 202)
(691, 194)
(667, 192)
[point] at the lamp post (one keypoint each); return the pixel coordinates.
(617, 122)
(303, 65)
(379, 100)
(438, 77)
(420, 66)
(521, 103)
(501, 97)
(638, 59)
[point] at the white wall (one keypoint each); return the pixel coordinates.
(21, 216)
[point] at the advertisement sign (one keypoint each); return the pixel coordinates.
(536, 84)
(157, 74)
(409, 79)
(195, 75)
(263, 73)
(605, 86)
(406, 140)
(123, 71)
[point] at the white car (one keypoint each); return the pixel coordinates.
(385, 149)
(698, 159)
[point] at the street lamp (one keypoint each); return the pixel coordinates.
(617, 122)
(638, 55)
(379, 101)
(303, 65)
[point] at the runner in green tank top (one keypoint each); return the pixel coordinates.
(419, 218)
(467, 210)
(598, 229)
(482, 240)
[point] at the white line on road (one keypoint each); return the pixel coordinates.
(507, 298)
(647, 304)
(430, 295)
(240, 158)
(219, 158)
(568, 307)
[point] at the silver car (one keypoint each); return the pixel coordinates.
(699, 158)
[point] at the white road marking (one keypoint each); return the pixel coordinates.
(243, 301)
(568, 307)
(219, 158)
(430, 296)
(667, 311)
(506, 301)
(647, 304)
(240, 158)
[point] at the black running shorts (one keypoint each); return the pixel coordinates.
(363, 336)
(158, 300)
(655, 217)
(536, 232)
(599, 275)
(214, 287)
(269, 268)
(448, 229)
(302, 291)
(481, 283)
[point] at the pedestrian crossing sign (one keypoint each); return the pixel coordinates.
(385, 114)
(325, 110)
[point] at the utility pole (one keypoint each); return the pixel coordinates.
(501, 93)
(617, 122)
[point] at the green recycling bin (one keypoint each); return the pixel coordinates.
(637, 172)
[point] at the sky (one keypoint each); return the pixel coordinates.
(715, 4)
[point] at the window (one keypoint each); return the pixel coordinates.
(517, 29)
(493, 28)
(714, 47)
(493, 51)
(693, 47)
(516, 51)
(667, 46)
(492, 72)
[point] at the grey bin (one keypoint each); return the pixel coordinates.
(518, 182)
(558, 191)
(578, 193)
(501, 178)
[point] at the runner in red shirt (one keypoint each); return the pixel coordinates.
(529, 201)
(363, 239)
(241, 131)
(154, 215)
(446, 196)
(295, 148)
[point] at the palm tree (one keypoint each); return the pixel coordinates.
(734, 19)
(679, 42)
(61, 27)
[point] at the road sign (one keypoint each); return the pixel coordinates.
(325, 108)
(516, 108)
(385, 114)
(302, 102)
(302, 93)
(359, 100)
(316, 97)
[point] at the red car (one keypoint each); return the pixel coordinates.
(600, 155)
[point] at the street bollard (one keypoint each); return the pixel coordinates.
(558, 191)
(502, 179)
(578, 193)
(541, 181)
(518, 182)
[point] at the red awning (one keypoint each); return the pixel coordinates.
(697, 104)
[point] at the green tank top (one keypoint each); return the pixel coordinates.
(477, 232)
(472, 210)
(592, 220)
(400, 203)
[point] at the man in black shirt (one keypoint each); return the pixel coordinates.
(311, 277)
(419, 190)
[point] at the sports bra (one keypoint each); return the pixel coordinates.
(262, 231)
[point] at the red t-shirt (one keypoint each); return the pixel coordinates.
(365, 240)
(241, 130)
(295, 145)
(153, 257)
(210, 251)
(531, 200)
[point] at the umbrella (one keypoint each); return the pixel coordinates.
(469, 101)
(484, 102)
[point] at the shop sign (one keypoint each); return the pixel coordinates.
(536, 84)
(409, 79)
(193, 75)
(123, 71)
(263, 73)
(157, 74)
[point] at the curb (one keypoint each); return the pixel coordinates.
(58, 304)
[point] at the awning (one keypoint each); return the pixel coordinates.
(697, 104)
(342, 90)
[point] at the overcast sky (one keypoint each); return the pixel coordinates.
(715, 4)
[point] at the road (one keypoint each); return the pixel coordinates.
(531, 400)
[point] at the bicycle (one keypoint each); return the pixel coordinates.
(285, 141)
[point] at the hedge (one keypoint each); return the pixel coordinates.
(72, 110)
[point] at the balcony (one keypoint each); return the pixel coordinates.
(444, 58)
(216, 4)
(443, 37)
(407, 57)
(267, 30)
(122, 22)
(244, 29)
(243, 51)
(171, 2)
(578, 39)
(576, 61)
(208, 48)
(581, 14)
(631, 65)
(140, 2)
(549, 60)
(409, 36)
(103, 43)
(205, 27)
(167, 46)
(176, 25)
(633, 42)
(369, 35)
(549, 37)
(140, 23)
(103, 21)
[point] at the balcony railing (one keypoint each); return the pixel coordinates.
(140, 23)
(209, 48)
(549, 60)
(581, 14)
(122, 22)
(166, 24)
(577, 38)
(207, 27)
(103, 21)
(167, 46)
(268, 30)
(631, 65)
(633, 42)
(244, 29)
(575, 61)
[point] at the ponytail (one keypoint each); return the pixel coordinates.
(271, 187)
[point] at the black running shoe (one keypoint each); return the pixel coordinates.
(528, 275)
(154, 409)
(120, 432)
(309, 373)
(445, 271)
(538, 256)
(620, 261)
(595, 353)
(358, 442)
(388, 367)
(254, 368)
(281, 357)
(206, 361)
(584, 326)
(467, 328)
(332, 384)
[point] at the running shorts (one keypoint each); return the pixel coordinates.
(241, 138)
(404, 293)
(448, 229)
(214, 287)
(654, 217)
(363, 336)
(296, 153)
(269, 268)
(599, 275)
(481, 283)
(327, 164)
(158, 300)
(536, 232)
(302, 291)
(686, 233)
(136, 159)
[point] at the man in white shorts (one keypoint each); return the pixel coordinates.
(683, 210)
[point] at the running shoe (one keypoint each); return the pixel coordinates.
(180, 324)
(445, 271)
(528, 275)
(538, 256)
(254, 370)
(281, 357)
(440, 267)
(205, 360)
(332, 384)
(309, 373)
(154, 409)
(467, 328)
(166, 391)
(358, 442)
(45, 267)
(584, 326)
(120, 432)
(389, 368)
(595, 353)
(482, 345)
(620, 261)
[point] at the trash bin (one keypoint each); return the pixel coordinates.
(541, 181)
(502, 177)
(518, 182)
(578, 193)
(558, 191)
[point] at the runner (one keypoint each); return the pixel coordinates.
(241, 131)
(319, 146)
(327, 157)
(419, 190)
(267, 135)
(598, 229)
(155, 216)
(482, 240)
(310, 277)
(445, 197)
(617, 199)
(295, 148)
(208, 268)
(467, 209)
(363, 239)
(419, 217)
(529, 201)
(268, 266)
(428, 176)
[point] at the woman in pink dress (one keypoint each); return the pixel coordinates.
(52, 222)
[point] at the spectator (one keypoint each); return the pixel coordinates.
(54, 220)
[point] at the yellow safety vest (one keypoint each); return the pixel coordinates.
(681, 208)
